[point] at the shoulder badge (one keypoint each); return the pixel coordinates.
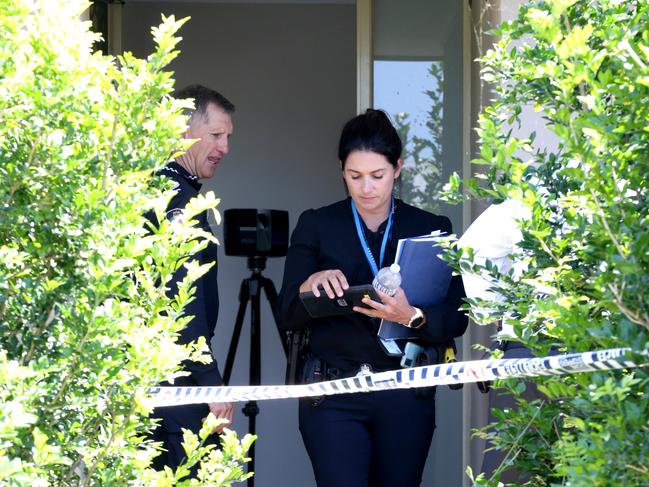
(174, 214)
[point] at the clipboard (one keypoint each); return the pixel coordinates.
(425, 279)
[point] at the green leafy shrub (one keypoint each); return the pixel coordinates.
(85, 324)
(583, 66)
(420, 183)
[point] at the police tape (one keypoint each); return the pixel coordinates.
(425, 376)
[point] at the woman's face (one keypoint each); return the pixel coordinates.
(370, 178)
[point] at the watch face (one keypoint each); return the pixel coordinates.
(417, 322)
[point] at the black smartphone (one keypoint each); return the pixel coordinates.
(323, 305)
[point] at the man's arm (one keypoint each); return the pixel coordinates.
(492, 236)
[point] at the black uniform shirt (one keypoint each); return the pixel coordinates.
(205, 306)
(326, 238)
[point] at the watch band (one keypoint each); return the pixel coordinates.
(417, 320)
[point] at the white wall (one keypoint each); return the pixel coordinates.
(531, 120)
(291, 72)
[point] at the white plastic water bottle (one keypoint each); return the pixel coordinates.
(388, 280)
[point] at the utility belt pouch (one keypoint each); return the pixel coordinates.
(415, 355)
(450, 356)
(418, 355)
(297, 342)
(314, 370)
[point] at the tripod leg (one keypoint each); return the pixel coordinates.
(271, 295)
(251, 408)
(251, 291)
(255, 333)
(244, 297)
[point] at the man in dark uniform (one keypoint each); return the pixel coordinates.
(210, 124)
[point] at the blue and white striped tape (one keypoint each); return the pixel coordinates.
(426, 376)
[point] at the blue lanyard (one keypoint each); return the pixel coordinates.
(361, 236)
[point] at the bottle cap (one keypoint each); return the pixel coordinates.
(395, 268)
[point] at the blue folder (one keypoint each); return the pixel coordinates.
(425, 279)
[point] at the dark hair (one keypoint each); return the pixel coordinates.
(202, 97)
(371, 131)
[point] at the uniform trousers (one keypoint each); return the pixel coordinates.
(499, 399)
(374, 439)
(173, 453)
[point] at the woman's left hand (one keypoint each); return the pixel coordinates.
(393, 308)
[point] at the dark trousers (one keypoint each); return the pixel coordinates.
(173, 453)
(499, 399)
(375, 439)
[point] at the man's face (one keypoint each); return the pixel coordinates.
(213, 131)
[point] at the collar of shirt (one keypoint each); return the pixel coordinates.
(174, 167)
(369, 234)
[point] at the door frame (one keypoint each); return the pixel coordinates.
(364, 97)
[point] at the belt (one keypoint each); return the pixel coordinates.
(511, 345)
(333, 373)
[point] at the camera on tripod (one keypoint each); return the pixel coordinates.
(255, 233)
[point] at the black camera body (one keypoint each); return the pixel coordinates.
(255, 233)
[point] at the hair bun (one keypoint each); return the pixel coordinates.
(372, 131)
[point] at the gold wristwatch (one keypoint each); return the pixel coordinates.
(417, 320)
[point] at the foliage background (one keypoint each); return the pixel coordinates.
(84, 320)
(583, 65)
(420, 182)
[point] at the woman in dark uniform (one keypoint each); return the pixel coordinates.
(379, 438)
